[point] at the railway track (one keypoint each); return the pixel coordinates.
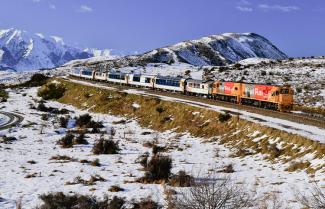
(293, 117)
(13, 120)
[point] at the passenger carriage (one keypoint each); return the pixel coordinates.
(141, 80)
(117, 77)
(198, 87)
(87, 73)
(101, 75)
(175, 84)
(76, 72)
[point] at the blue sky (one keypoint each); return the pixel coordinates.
(297, 27)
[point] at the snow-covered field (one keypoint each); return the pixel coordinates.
(37, 142)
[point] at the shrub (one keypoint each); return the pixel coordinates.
(7, 139)
(212, 193)
(228, 169)
(223, 117)
(66, 141)
(181, 180)
(51, 91)
(83, 120)
(160, 109)
(146, 204)
(36, 80)
(104, 146)
(95, 162)
(3, 95)
(158, 168)
(80, 139)
(156, 149)
(62, 201)
(115, 188)
(63, 122)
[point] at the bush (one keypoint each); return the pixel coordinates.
(160, 109)
(115, 188)
(3, 95)
(51, 91)
(158, 168)
(36, 80)
(95, 163)
(224, 117)
(156, 149)
(212, 193)
(66, 141)
(63, 122)
(181, 180)
(146, 204)
(80, 139)
(62, 201)
(7, 139)
(104, 146)
(85, 121)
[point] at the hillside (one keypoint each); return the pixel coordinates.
(217, 50)
(22, 51)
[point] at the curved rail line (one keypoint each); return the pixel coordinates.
(293, 117)
(14, 120)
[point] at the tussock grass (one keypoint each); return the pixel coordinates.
(235, 133)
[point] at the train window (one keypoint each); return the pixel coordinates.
(190, 85)
(202, 86)
(284, 91)
(136, 78)
(277, 93)
(147, 80)
(236, 88)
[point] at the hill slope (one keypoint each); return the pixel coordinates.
(216, 50)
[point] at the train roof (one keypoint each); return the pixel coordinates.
(264, 84)
(169, 78)
(199, 81)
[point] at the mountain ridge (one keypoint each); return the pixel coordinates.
(215, 50)
(23, 51)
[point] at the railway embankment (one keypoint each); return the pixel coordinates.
(244, 137)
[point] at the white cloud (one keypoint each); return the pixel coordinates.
(277, 7)
(244, 6)
(52, 6)
(244, 9)
(85, 8)
(244, 2)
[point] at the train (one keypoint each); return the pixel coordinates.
(273, 97)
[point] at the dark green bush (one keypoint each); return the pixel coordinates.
(158, 168)
(181, 180)
(61, 201)
(106, 146)
(66, 141)
(223, 117)
(51, 91)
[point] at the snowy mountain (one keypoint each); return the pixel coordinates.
(217, 50)
(21, 51)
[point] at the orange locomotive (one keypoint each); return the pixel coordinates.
(258, 95)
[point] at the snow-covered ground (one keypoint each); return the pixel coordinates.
(37, 142)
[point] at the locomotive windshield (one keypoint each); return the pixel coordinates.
(284, 91)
